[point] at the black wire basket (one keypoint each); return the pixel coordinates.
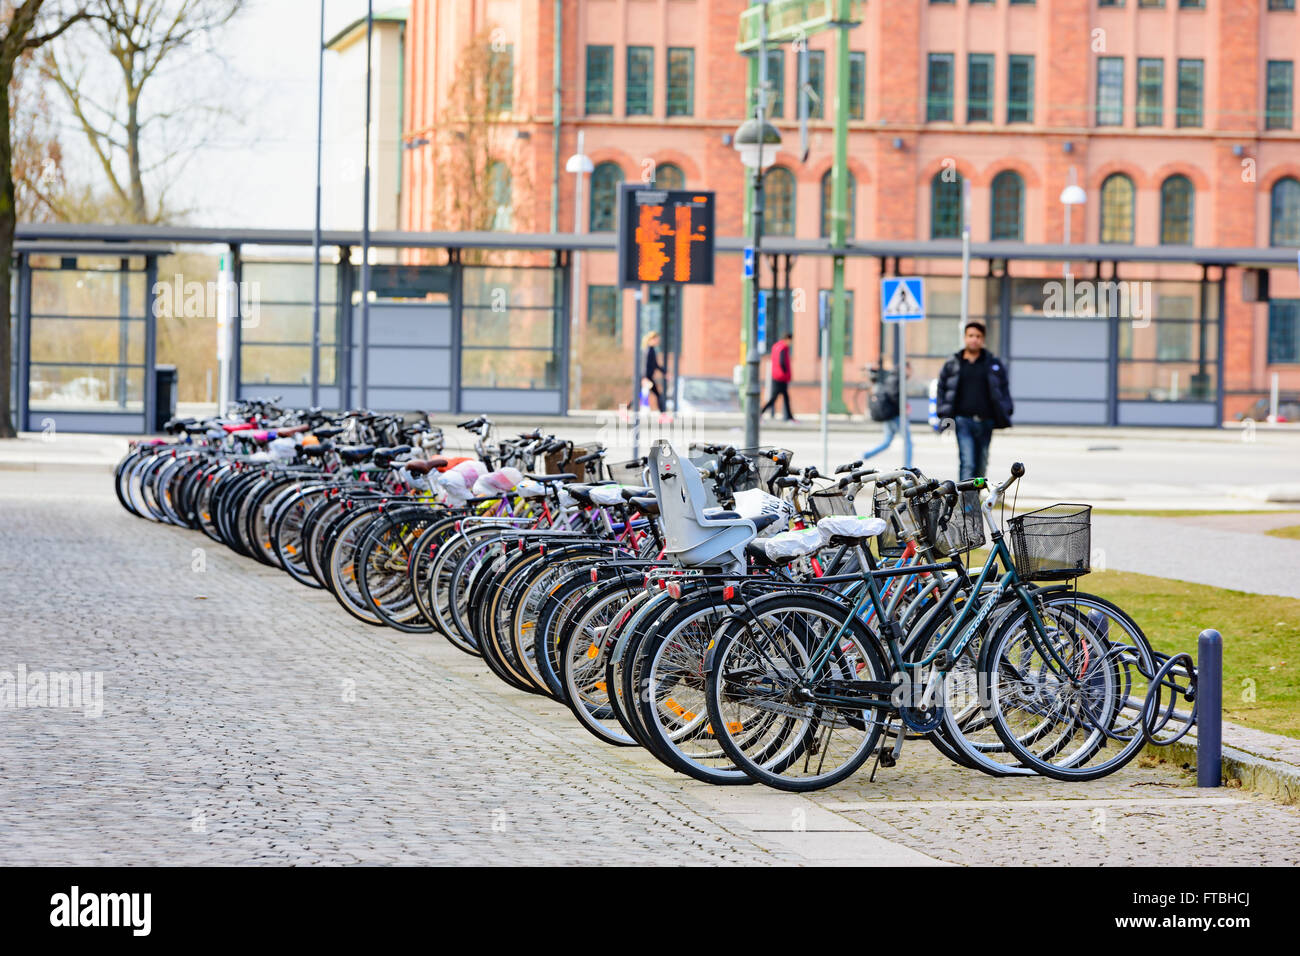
(890, 543)
(1052, 543)
(962, 531)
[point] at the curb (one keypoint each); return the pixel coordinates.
(1270, 778)
(79, 466)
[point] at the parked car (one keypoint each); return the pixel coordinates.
(698, 394)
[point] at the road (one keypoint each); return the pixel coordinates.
(248, 720)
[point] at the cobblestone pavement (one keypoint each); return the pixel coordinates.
(247, 719)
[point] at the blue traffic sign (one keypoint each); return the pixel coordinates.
(902, 299)
(749, 262)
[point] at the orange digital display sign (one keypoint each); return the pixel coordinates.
(665, 236)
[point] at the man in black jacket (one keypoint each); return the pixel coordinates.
(975, 396)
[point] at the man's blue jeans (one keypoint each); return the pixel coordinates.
(891, 429)
(973, 439)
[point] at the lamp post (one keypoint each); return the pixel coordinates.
(757, 142)
(1072, 195)
(579, 164)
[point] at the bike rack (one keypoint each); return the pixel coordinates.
(1203, 688)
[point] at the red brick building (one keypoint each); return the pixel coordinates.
(1176, 117)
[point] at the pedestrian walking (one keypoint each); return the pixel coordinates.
(883, 406)
(781, 376)
(652, 368)
(974, 396)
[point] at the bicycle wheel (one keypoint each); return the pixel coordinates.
(771, 701)
(1067, 701)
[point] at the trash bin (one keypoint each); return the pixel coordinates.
(165, 393)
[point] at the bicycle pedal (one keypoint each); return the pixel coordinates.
(887, 758)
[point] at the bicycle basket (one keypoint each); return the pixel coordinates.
(562, 462)
(630, 473)
(889, 544)
(767, 470)
(1052, 543)
(964, 530)
(831, 501)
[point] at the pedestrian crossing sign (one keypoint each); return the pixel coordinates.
(902, 298)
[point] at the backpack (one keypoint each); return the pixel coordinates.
(883, 406)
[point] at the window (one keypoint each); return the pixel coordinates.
(848, 320)
(938, 101)
(1176, 199)
(502, 196)
(816, 80)
(776, 83)
(1150, 92)
(1008, 205)
(1284, 330)
(1277, 106)
(945, 205)
(1284, 228)
(501, 78)
(600, 80)
(857, 86)
(1191, 75)
(640, 80)
(1020, 90)
(669, 176)
(1117, 209)
(1191, 4)
(1151, 3)
(1281, 4)
(778, 195)
(1110, 91)
(605, 180)
(1110, 3)
(851, 198)
(979, 88)
(605, 310)
(681, 81)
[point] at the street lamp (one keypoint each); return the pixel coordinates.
(1072, 195)
(579, 164)
(757, 142)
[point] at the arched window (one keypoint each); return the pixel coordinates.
(503, 203)
(605, 180)
(826, 205)
(669, 176)
(1008, 205)
(945, 205)
(1177, 195)
(1117, 208)
(778, 201)
(1285, 220)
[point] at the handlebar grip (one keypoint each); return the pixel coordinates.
(915, 490)
(948, 489)
(583, 459)
(1018, 469)
(788, 481)
(847, 466)
(970, 484)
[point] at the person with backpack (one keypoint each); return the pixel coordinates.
(781, 375)
(883, 406)
(975, 397)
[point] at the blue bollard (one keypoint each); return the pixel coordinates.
(1209, 709)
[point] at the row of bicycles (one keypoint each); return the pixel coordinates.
(739, 617)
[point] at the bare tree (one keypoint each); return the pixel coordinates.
(481, 182)
(37, 158)
(141, 38)
(24, 27)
